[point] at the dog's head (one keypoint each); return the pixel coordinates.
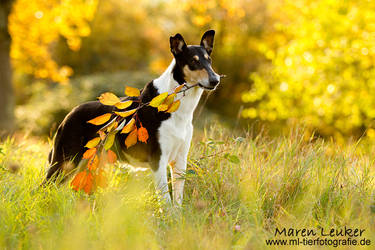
(193, 62)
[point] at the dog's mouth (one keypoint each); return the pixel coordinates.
(206, 88)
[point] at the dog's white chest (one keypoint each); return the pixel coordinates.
(173, 136)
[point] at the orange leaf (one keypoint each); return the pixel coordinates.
(123, 105)
(88, 185)
(109, 99)
(142, 134)
(126, 113)
(174, 106)
(179, 88)
(100, 119)
(157, 100)
(131, 139)
(83, 180)
(93, 142)
(112, 157)
(130, 91)
(78, 181)
(89, 153)
(129, 126)
(93, 163)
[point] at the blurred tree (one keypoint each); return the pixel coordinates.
(35, 27)
(123, 35)
(322, 70)
(6, 90)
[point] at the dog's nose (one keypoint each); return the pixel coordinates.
(214, 82)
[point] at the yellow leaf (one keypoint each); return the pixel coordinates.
(93, 142)
(131, 139)
(130, 91)
(163, 107)
(100, 119)
(123, 105)
(156, 101)
(126, 113)
(142, 134)
(108, 98)
(109, 142)
(174, 106)
(128, 127)
(169, 99)
(179, 88)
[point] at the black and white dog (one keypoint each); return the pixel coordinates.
(169, 134)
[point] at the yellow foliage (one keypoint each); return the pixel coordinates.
(322, 70)
(35, 25)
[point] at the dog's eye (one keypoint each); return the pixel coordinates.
(196, 62)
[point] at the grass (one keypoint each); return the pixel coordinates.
(238, 190)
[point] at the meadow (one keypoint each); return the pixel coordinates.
(239, 188)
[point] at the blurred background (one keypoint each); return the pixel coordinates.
(304, 62)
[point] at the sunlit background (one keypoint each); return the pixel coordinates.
(287, 62)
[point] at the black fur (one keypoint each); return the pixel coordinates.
(74, 132)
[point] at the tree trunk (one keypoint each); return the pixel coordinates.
(6, 89)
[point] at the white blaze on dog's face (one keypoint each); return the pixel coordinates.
(193, 62)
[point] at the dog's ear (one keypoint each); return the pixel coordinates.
(208, 40)
(177, 44)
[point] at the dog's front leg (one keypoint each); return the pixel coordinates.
(179, 168)
(161, 179)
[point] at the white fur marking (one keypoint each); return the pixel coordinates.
(175, 135)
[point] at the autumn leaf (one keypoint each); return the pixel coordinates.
(78, 181)
(109, 141)
(179, 88)
(111, 156)
(130, 91)
(126, 113)
(169, 99)
(129, 126)
(174, 106)
(123, 105)
(163, 107)
(142, 134)
(83, 180)
(131, 139)
(93, 142)
(89, 153)
(109, 99)
(93, 162)
(88, 185)
(156, 101)
(100, 119)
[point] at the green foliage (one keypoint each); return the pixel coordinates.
(322, 67)
(285, 182)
